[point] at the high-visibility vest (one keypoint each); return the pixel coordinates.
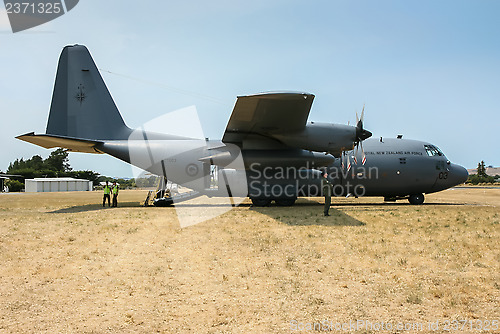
(107, 190)
(115, 190)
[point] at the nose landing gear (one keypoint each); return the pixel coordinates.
(416, 199)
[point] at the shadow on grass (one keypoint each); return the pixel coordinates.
(96, 207)
(301, 203)
(308, 213)
(395, 204)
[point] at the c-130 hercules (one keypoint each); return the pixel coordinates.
(268, 152)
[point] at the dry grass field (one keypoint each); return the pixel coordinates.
(69, 266)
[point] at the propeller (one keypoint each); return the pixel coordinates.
(361, 134)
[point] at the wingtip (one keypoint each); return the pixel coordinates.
(277, 94)
(25, 135)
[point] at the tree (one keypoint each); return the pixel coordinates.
(481, 176)
(85, 175)
(58, 161)
(481, 169)
(147, 182)
(56, 165)
(14, 185)
(36, 162)
(18, 164)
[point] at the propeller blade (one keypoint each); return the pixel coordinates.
(356, 153)
(361, 133)
(363, 159)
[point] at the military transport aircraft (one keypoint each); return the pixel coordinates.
(269, 152)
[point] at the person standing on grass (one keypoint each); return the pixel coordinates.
(107, 192)
(115, 194)
(326, 186)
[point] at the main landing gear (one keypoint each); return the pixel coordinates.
(415, 199)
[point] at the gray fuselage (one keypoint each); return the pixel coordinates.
(394, 168)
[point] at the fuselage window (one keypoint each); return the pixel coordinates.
(432, 150)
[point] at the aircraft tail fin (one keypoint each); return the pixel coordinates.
(82, 106)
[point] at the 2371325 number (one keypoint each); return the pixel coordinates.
(32, 8)
(474, 325)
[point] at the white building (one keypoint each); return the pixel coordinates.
(57, 184)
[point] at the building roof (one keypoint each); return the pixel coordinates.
(103, 183)
(53, 179)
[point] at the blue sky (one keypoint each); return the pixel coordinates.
(429, 70)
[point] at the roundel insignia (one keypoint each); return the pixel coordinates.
(80, 95)
(191, 169)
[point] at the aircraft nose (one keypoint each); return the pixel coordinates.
(457, 174)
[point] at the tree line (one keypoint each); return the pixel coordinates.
(481, 176)
(56, 165)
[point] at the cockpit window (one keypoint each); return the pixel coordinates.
(433, 151)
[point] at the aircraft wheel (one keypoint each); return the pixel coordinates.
(416, 199)
(163, 202)
(261, 201)
(285, 201)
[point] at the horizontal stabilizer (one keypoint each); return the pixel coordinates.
(51, 141)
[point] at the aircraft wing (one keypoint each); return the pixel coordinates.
(51, 141)
(260, 116)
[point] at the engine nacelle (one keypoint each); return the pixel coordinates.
(321, 137)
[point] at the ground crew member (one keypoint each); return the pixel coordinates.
(115, 194)
(107, 191)
(327, 192)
